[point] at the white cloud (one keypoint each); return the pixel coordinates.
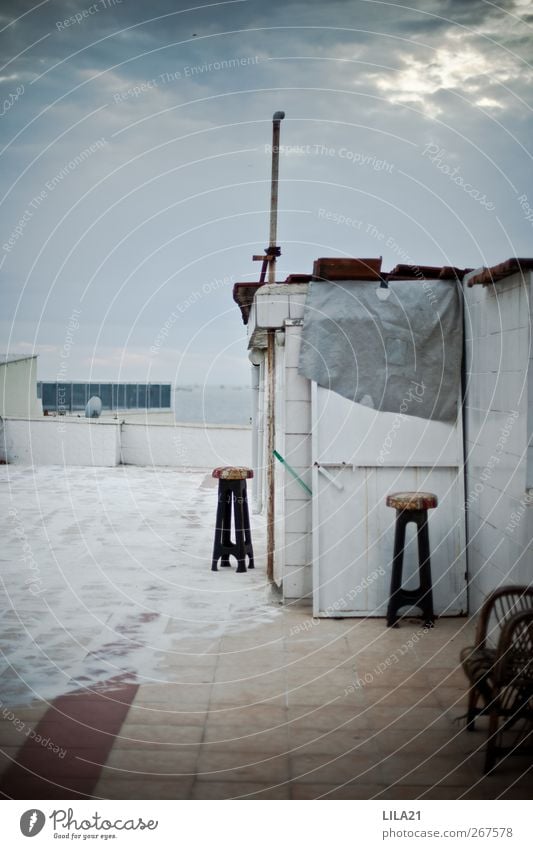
(489, 103)
(458, 67)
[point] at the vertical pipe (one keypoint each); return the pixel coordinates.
(464, 402)
(261, 438)
(257, 360)
(270, 460)
(276, 121)
(255, 435)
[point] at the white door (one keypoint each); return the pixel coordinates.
(359, 457)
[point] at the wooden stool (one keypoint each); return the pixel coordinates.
(411, 507)
(232, 493)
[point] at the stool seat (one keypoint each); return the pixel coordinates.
(232, 473)
(412, 500)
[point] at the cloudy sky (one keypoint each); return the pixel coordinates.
(135, 178)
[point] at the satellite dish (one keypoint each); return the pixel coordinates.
(93, 408)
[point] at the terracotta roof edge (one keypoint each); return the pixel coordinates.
(488, 275)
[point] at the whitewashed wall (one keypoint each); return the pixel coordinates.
(196, 446)
(51, 441)
(499, 511)
(56, 441)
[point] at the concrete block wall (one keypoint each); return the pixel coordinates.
(499, 366)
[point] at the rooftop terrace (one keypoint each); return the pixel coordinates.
(129, 670)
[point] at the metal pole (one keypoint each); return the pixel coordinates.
(255, 435)
(276, 121)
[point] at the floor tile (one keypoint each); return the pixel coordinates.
(14, 735)
(408, 718)
(254, 718)
(406, 791)
(158, 737)
(144, 788)
(174, 696)
(160, 714)
(24, 786)
(428, 771)
(325, 769)
(243, 766)
(333, 791)
(312, 741)
(8, 755)
(246, 692)
(239, 790)
(328, 717)
(137, 762)
(241, 738)
(400, 697)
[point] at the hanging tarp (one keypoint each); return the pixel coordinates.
(400, 352)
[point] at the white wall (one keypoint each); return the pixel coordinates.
(297, 581)
(18, 388)
(81, 442)
(196, 446)
(499, 511)
(148, 416)
(55, 441)
(273, 305)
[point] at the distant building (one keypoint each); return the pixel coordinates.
(18, 386)
(72, 397)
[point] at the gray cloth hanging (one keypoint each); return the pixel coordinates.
(402, 354)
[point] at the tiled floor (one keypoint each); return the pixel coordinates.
(229, 695)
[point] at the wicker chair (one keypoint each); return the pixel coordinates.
(499, 668)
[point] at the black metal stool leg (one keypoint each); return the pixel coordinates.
(397, 567)
(240, 546)
(424, 565)
(247, 531)
(223, 545)
(219, 524)
(226, 543)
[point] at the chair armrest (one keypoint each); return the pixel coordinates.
(488, 606)
(514, 655)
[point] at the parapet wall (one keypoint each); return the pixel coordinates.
(80, 442)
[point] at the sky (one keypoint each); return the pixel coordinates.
(135, 179)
